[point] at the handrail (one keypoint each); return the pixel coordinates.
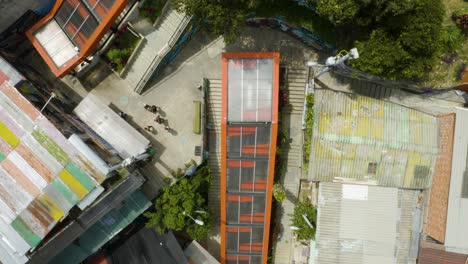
(162, 52)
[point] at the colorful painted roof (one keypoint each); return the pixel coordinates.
(363, 140)
(42, 176)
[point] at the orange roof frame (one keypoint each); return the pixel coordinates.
(89, 46)
(272, 152)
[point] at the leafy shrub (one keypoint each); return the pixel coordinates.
(151, 9)
(453, 38)
(278, 192)
(167, 180)
(309, 128)
(305, 233)
(122, 48)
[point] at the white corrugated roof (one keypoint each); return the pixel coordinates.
(365, 224)
(456, 236)
(111, 127)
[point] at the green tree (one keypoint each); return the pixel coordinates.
(222, 17)
(382, 55)
(337, 11)
(421, 34)
(363, 12)
(407, 45)
(304, 233)
(188, 195)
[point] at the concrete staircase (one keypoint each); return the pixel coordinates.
(214, 161)
(158, 42)
(292, 154)
(370, 89)
(296, 80)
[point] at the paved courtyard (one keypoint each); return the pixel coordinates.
(175, 92)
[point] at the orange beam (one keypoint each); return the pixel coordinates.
(224, 71)
(274, 133)
(90, 44)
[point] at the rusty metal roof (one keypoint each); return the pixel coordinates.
(438, 203)
(437, 256)
(42, 176)
(359, 139)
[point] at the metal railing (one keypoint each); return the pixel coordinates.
(162, 52)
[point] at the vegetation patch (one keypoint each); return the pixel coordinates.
(122, 48)
(278, 192)
(299, 15)
(226, 17)
(302, 211)
(152, 9)
(395, 39)
(189, 195)
(309, 128)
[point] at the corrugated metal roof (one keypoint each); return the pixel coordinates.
(456, 237)
(111, 127)
(436, 256)
(104, 229)
(438, 203)
(7, 72)
(41, 175)
(366, 224)
(360, 139)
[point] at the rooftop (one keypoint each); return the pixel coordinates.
(357, 139)
(439, 193)
(42, 175)
(456, 237)
(366, 224)
(71, 31)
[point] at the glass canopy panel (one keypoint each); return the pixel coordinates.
(75, 18)
(244, 240)
(100, 8)
(56, 43)
(250, 88)
(248, 141)
(243, 259)
(245, 209)
(247, 175)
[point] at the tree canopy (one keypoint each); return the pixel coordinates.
(395, 38)
(188, 195)
(222, 17)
